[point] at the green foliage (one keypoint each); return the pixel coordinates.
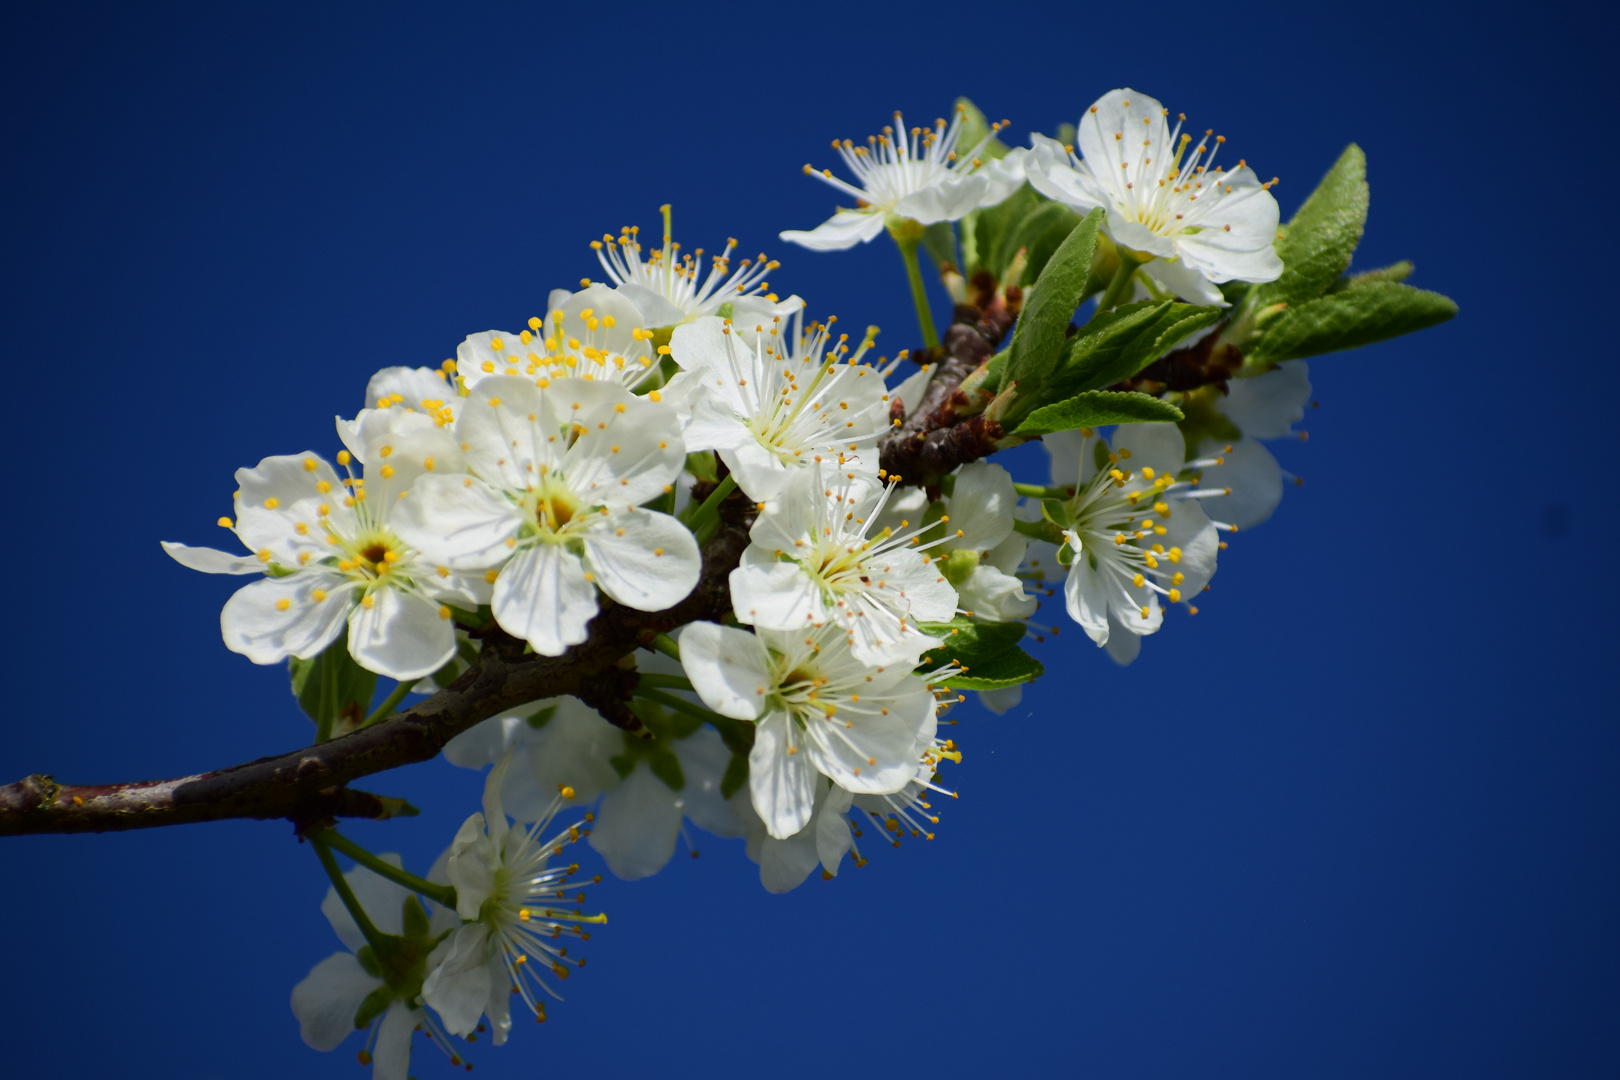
(1348, 319)
(1318, 242)
(985, 231)
(1094, 408)
(939, 240)
(1039, 338)
(1040, 233)
(974, 128)
(1117, 344)
(1396, 272)
(1008, 669)
(968, 642)
(332, 687)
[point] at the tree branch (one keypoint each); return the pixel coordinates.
(308, 783)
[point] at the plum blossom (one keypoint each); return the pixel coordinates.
(770, 404)
(334, 558)
(818, 709)
(670, 288)
(1133, 532)
(917, 175)
(1263, 407)
(513, 904)
(818, 556)
(550, 512)
(349, 991)
(1192, 223)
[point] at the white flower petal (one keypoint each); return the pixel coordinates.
(729, 668)
(326, 1000)
(391, 1056)
(635, 829)
(947, 200)
(542, 596)
(833, 839)
(782, 783)
(843, 230)
(256, 624)
(457, 986)
(642, 558)
(870, 754)
(457, 522)
(400, 636)
(704, 758)
(212, 560)
(981, 506)
(772, 594)
(1269, 405)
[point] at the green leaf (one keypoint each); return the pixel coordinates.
(1350, 319)
(1042, 328)
(985, 231)
(1117, 344)
(1008, 669)
(332, 687)
(736, 774)
(1041, 232)
(974, 128)
(1094, 408)
(1317, 244)
(701, 464)
(968, 642)
(375, 1004)
(1396, 272)
(939, 240)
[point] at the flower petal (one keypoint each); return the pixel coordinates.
(729, 668)
(781, 779)
(273, 619)
(843, 230)
(326, 1000)
(212, 560)
(543, 597)
(400, 635)
(457, 522)
(642, 558)
(636, 827)
(391, 1056)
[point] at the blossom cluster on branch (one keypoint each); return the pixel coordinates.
(770, 562)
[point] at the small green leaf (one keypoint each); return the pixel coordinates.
(736, 774)
(984, 232)
(1042, 328)
(667, 767)
(1008, 669)
(939, 240)
(974, 128)
(1396, 272)
(968, 642)
(702, 465)
(1041, 232)
(1117, 344)
(1095, 408)
(541, 718)
(1319, 241)
(332, 687)
(1350, 319)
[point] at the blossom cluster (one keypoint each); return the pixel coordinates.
(588, 459)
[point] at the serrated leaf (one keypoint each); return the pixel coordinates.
(1395, 272)
(1319, 241)
(1043, 326)
(1008, 669)
(1095, 408)
(968, 642)
(1350, 319)
(1040, 233)
(984, 231)
(1117, 344)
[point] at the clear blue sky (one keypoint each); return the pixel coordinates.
(1358, 818)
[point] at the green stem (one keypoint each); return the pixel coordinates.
(666, 645)
(390, 703)
(374, 937)
(668, 682)
(443, 894)
(705, 517)
(1036, 491)
(919, 295)
(1121, 285)
(1040, 530)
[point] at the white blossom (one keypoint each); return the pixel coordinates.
(818, 710)
(771, 403)
(399, 400)
(328, 1000)
(335, 559)
(670, 288)
(817, 556)
(514, 904)
(1262, 407)
(1195, 223)
(916, 175)
(1133, 532)
(551, 511)
(596, 334)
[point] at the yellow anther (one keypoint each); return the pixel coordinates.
(369, 602)
(318, 595)
(310, 464)
(1175, 596)
(226, 523)
(344, 457)
(444, 611)
(323, 486)
(283, 604)
(387, 471)
(566, 792)
(491, 575)
(264, 554)
(1138, 581)
(271, 503)
(427, 463)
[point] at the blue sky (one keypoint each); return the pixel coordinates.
(1359, 817)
